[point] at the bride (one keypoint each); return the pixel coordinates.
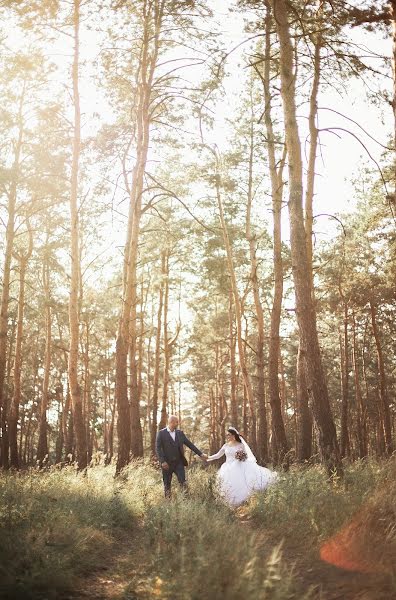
(240, 475)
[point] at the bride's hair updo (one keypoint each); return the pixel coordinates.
(235, 433)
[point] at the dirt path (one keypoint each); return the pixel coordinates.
(124, 576)
(128, 574)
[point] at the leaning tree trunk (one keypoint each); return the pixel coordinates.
(305, 309)
(75, 389)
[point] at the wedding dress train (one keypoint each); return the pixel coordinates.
(238, 479)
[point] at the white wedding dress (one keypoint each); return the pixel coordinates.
(239, 479)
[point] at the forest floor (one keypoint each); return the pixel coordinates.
(70, 536)
(128, 576)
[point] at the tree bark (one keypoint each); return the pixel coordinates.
(387, 426)
(304, 416)
(306, 317)
(42, 449)
(167, 347)
(127, 329)
(280, 442)
(5, 294)
(233, 377)
(344, 344)
(262, 430)
(360, 407)
(16, 399)
(60, 441)
(157, 359)
(75, 389)
(305, 419)
(238, 310)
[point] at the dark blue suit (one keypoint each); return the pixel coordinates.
(172, 452)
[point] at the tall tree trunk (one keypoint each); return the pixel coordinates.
(304, 416)
(60, 441)
(16, 399)
(360, 408)
(74, 324)
(304, 421)
(42, 450)
(305, 309)
(213, 437)
(127, 329)
(279, 440)
(5, 294)
(262, 430)
(149, 378)
(392, 4)
(87, 400)
(140, 359)
(344, 346)
(157, 359)
(167, 348)
(233, 382)
(383, 383)
(238, 309)
(136, 428)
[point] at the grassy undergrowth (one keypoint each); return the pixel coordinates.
(57, 526)
(199, 549)
(307, 509)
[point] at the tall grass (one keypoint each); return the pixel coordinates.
(303, 506)
(59, 524)
(199, 549)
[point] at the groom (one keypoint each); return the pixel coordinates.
(170, 452)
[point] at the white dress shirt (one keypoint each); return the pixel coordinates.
(172, 433)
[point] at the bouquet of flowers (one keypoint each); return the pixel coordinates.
(241, 455)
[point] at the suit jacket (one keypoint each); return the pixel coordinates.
(173, 451)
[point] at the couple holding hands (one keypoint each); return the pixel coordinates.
(238, 477)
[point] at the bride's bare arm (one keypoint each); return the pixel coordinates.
(218, 454)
